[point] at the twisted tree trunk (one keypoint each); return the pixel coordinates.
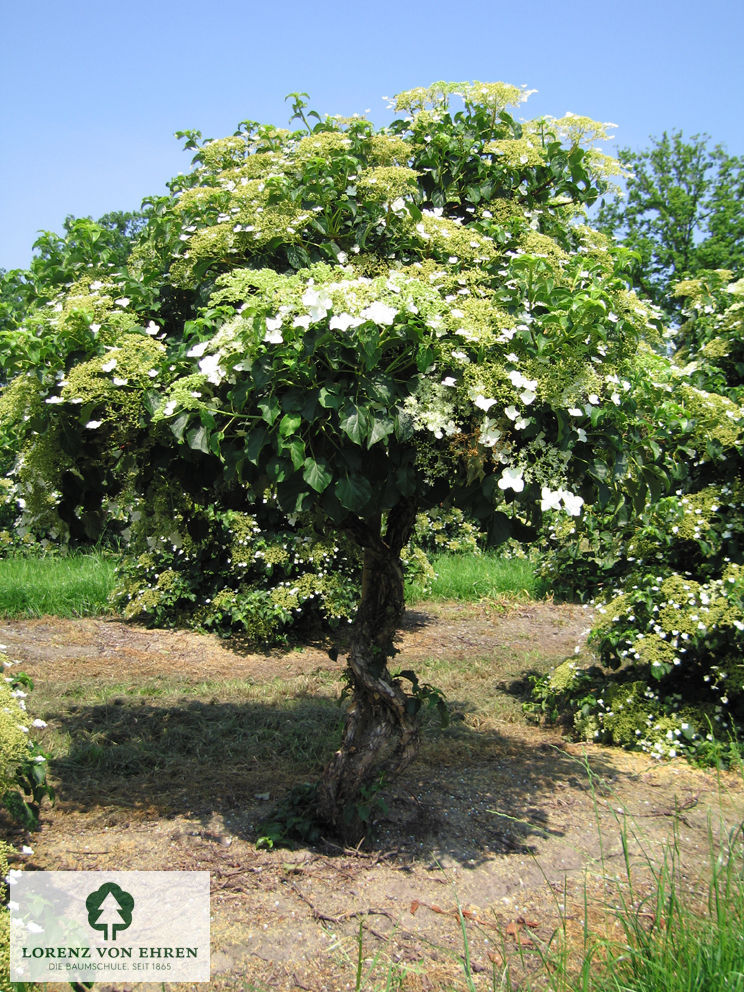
(381, 730)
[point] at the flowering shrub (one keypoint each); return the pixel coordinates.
(446, 529)
(5, 985)
(710, 339)
(23, 764)
(671, 614)
(257, 574)
(232, 571)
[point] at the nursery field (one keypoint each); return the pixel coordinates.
(498, 846)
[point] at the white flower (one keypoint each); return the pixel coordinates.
(575, 411)
(94, 328)
(93, 424)
(343, 321)
(380, 313)
(123, 301)
(522, 382)
(527, 396)
(273, 323)
(152, 329)
(571, 502)
(342, 257)
(318, 303)
(303, 321)
(54, 399)
(26, 849)
(109, 365)
(489, 435)
(34, 927)
(153, 373)
(582, 433)
(198, 349)
(511, 478)
(449, 381)
(39, 723)
(594, 399)
(550, 500)
(210, 366)
(270, 337)
(461, 356)
(511, 412)
(120, 382)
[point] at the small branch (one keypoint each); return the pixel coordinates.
(350, 915)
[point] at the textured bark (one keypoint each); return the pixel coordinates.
(381, 730)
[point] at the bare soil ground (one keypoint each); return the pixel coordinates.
(172, 746)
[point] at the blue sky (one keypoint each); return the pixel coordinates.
(93, 91)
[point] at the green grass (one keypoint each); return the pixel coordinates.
(681, 936)
(475, 577)
(65, 586)
(667, 926)
(79, 584)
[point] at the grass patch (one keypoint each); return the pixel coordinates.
(75, 585)
(475, 577)
(80, 584)
(681, 935)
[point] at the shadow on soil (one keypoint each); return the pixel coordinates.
(469, 794)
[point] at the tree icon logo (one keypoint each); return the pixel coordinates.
(109, 909)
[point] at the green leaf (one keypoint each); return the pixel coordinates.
(278, 469)
(355, 424)
(178, 424)
(424, 359)
(152, 401)
(289, 424)
(198, 439)
(297, 453)
(354, 493)
(254, 443)
(290, 493)
(297, 257)
(499, 529)
(381, 427)
(329, 398)
(269, 409)
(317, 475)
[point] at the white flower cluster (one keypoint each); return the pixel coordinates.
(561, 499)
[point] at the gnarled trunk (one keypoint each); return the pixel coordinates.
(381, 730)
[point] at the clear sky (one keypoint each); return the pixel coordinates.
(92, 91)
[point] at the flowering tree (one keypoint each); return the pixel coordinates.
(363, 323)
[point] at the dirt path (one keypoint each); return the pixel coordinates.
(498, 816)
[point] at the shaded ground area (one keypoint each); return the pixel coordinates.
(171, 747)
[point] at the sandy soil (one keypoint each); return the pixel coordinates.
(509, 822)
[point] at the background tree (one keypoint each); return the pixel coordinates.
(681, 213)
